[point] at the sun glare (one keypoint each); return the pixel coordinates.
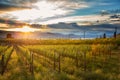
(27, 29)
(39, 10)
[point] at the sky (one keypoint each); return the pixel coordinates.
(52, 11)
(82, 12)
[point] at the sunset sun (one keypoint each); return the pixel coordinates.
(26, 29)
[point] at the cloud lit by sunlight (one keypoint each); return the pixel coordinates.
(55, 11)
(45, 9)
(23, 29)
(39, 10)
(88, 18)
(4, 25)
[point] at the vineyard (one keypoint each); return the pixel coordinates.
(60, 60)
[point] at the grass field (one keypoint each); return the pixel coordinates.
(63, 59)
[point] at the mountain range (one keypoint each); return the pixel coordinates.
(66, 30)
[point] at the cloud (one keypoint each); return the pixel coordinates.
(8, 5)
(82, 19)
(40, 9)
(43, 9)
(11, 5)
(56, 5)
(3, 26)
(70, 4)
(8, 22)
(52, 11)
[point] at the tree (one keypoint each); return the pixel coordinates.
(104, 35)
(115, 33)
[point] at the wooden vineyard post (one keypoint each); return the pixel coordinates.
(31, 63)
(59, 63)
(2, 65)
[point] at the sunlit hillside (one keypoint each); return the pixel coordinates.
(63, 59)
